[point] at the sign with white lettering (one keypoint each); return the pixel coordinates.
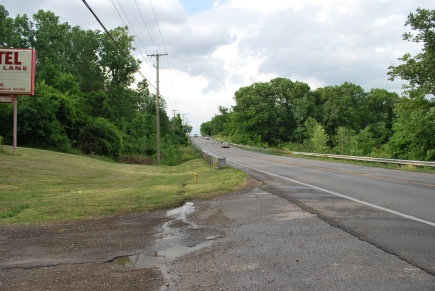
(6, 99)
(17, 71)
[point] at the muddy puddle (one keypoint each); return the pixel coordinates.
(168, 243)
(181, 212)
(158, 258)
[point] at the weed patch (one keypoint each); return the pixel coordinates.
(14, 211)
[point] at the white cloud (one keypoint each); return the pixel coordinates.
(234, 43)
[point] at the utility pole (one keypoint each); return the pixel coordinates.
(183, 122)
(157, 105)
(186, 123)
(174, 118)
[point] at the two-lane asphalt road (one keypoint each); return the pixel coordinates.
(392, 209)
(408, 193)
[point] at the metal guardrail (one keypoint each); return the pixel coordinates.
(352, 158)
(212, 159)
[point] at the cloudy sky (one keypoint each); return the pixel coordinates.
(216, 47)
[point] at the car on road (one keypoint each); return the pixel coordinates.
(225, 144)
(195, 135)
(207, 137)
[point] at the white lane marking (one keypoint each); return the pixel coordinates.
(342, 195)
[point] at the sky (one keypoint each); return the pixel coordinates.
(215, 47)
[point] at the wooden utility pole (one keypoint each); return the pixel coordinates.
(182, 122)
(174, 118)
(157, 105)
(185, 124)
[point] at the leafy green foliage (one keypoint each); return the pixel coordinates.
(100, 137)
(264, 111)
(83, 96)
(282, 113)
(320, 139)
(343, 119)
(45, 118)
(414, 131)
(419, 70)
(343, 140)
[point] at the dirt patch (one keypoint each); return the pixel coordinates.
(77, 255)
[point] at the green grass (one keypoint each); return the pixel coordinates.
(39, 186)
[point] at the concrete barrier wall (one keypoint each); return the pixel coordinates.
(212, 159)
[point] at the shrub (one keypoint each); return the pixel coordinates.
(100, 137)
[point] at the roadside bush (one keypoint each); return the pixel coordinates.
(100, 137)
(292, 146)
(170, 155)
(45, 119)
(187, 153)
(134, 159)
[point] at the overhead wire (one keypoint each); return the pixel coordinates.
(131, 26)
(115, 42)
(134, 39)
(170, 79)
(158, 26)
(143, 20)
(164, 45)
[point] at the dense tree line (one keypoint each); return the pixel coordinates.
(83, 97)
(342, 119)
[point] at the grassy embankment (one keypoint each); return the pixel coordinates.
(39, 186)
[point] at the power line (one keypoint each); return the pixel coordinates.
(131, 25)
(143, 20)
(158, 26)
(161, 36)
(170, 79)
(134, 40)
(114, 41)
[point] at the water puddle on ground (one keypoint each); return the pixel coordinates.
(167, 237)
(159, 257)
(181, 212)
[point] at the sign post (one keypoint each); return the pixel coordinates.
(17, 77)
(15, 124)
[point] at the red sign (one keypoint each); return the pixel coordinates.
(17, 71)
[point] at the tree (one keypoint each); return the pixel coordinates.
(320, 139)
(50, 39)
(14, 32)
(342, 140)
(118, 67)
(378, 106)
(341, 106)
(255, 116)
(264, 112)
(206, 128)
(419, 70)
(46, 119)
(307, 106)
(83, 95)
(414, 129)
(363, 143)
